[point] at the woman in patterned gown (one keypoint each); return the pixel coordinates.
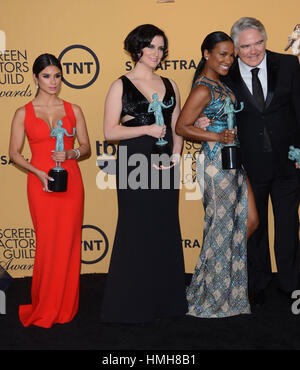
(56, 216)
(146, 274)
(219, 283)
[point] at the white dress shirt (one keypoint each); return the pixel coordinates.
(262, 75)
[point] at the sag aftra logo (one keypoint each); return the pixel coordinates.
(94, 244)
(80, 65)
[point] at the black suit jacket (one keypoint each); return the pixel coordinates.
(281, 115)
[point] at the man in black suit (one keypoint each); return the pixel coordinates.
(269, 85)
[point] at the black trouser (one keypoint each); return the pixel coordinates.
(284, 192)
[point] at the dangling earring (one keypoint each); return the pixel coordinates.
(37, 85)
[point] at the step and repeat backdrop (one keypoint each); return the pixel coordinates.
(87, 36)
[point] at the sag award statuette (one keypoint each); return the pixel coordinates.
(294, 41)
(161, 146)
(294, 154)
(58, 173)
(231, 158)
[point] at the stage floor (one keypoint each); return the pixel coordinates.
(273, 327)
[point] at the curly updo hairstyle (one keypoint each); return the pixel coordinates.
(140, 38)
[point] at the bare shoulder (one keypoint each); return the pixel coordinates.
(200, 96)
(18, 121)
(20, 113)
(79, 116)
(116, 90)
(201, 91)
(117, 84)
(76, 108)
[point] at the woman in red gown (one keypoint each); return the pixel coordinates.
(56, 216)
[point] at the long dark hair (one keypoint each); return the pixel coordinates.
(209, 44)
(141, 37)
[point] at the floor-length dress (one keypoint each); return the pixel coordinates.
(146, 275)
(219, 283)
(57, 221)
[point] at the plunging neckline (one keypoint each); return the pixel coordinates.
(153, 92)
(48, 125)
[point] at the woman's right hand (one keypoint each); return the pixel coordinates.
(44, 180)
(227, 136)
(156, 130)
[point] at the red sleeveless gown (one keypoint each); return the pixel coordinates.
(57, 220)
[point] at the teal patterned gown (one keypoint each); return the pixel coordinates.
(219, 284)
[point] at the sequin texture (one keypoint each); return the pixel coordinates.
(219, 283)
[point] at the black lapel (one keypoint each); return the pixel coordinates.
(240, 88)
(272, 69)
(238, 85)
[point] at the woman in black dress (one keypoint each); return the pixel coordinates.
(146, 275)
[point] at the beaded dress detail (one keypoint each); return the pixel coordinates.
(146, 272)
(219, 283)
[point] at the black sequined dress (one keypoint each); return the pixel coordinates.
(146, 274)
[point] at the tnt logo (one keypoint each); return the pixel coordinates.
(2, 303)
(94, 244)
(81, 66)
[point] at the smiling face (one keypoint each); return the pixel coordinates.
(251, 47)
(220, 59)
(49, 79)
(152, 54)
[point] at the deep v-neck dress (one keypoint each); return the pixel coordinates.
(57, 221)
(146, 274)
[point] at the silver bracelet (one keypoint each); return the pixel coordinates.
(77, 153)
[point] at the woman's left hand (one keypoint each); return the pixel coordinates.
(161, 167)
(174, 159)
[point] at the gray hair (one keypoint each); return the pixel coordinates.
(244, 24)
